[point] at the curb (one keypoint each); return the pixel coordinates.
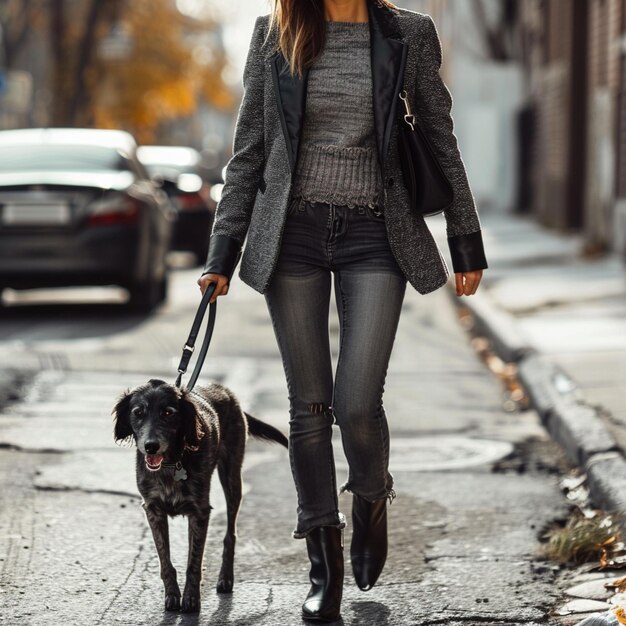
(509, 342)
(569, 420)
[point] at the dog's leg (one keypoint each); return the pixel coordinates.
(160, 533)
(198, 526)
(229, 471)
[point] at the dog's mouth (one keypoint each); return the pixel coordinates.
(153, 462)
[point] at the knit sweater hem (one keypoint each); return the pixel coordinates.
(338, 174)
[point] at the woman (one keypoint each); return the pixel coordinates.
(315, 184)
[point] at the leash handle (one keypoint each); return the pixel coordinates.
(189, 346)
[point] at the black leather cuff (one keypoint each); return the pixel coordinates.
(223, 256)
(467, 252)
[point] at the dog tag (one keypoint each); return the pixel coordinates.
(180, 473)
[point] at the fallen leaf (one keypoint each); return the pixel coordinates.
(617, 585)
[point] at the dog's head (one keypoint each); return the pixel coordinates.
(160, 419)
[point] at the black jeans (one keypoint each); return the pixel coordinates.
(352, 243)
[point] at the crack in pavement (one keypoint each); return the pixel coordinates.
(118, 591)
(494, 556)
(16, 448)
(109, 492)
(478, 618)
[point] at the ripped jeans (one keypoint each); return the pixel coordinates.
(369, 289)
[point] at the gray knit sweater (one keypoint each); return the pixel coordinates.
(337, 161)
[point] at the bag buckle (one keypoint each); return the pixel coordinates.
(409, 118)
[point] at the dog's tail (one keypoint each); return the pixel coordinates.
(264, 431)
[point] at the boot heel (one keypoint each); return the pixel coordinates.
(368, 549)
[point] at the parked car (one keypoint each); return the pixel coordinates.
(78, 208)
(177, 170)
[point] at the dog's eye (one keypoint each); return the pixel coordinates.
(138, 412)
(167, 412)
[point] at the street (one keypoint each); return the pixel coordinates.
(76, 548)
(119, 121)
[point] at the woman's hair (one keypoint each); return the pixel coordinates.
(301, 26)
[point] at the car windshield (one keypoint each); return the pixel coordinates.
(61, 158)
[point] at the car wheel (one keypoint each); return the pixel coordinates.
(202, 251)
(145, 296)
(163, 284)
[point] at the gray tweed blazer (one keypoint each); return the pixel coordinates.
(406, 54)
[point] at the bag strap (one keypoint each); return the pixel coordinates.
(189, 346)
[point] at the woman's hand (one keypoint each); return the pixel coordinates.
(472, 280)
(220, 290)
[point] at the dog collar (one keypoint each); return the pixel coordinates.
(180, 473)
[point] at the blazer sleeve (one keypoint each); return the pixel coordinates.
(244, 169)
(433, 110)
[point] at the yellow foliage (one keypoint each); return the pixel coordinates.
(160, 80)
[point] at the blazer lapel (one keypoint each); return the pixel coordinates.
(290, 94)
(388, 57)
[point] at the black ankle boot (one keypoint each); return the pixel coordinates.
(368, 549)
(325, 547)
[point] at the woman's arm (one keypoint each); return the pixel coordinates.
(244, 169)
(433, 109)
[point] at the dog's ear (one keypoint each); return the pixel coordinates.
(121, 414)
(192, 425)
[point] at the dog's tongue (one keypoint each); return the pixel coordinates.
(154, 460)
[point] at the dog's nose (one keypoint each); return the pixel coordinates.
(152, 447)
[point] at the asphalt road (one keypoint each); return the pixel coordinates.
(74, 544)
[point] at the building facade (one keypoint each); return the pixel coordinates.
(573, 59)
(564, 159)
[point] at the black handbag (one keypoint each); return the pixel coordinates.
(430, 191)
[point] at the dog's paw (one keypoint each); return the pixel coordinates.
(172, 602)
(191, 602)
(225, 585)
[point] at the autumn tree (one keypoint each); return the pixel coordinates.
(167, 65)
(16, 22)
(171, 66)
(74, 30)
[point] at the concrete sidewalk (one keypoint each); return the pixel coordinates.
(476, 484)
(561, 316)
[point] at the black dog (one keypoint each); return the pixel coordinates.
(181, 437)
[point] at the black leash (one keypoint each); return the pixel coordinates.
(189, 346)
